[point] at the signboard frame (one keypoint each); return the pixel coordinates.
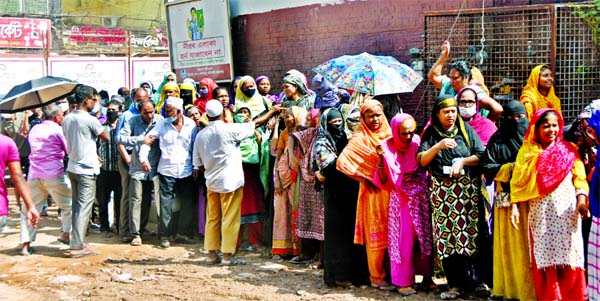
(198, 48)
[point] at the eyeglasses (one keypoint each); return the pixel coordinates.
(467, 102)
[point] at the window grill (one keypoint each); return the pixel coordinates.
(516, 40)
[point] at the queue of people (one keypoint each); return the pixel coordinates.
(312, 177)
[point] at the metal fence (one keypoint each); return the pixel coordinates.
(516, 40)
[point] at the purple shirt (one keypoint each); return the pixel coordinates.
(8, 153)
(48, 148)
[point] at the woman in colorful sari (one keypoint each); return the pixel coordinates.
(296, 92)
(593, 252)
(409, 214)
(285, 241)
(263, 84)
(468, 107)
(253, 202)
(539, 91)
(246, 96)
(512, 275)
(310, 201)
(550, 177)
(359, 160)
(343, 260)
(205, 91)
(449, 149)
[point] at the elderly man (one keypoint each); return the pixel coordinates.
(140, 95)
(47, 175)
(109, 179)
(174, 135)
(81, 131)
(216, 151)
(140, 186)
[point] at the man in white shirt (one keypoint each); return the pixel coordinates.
(174, 135)
(217, 154)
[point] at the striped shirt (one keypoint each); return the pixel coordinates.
(107, 150)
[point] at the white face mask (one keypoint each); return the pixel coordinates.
(467, 112)
(63, 106)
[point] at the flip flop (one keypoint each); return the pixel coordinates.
(29, 252)
(232, 262)
(212, 262)
(81, 253)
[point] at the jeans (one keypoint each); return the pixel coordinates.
(108, 181)
(60, 190)
(171, 188)
(84, 190)
(140, 192)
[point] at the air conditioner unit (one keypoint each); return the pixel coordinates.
(110, 21)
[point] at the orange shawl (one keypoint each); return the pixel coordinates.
(359, 160)
(531, 97)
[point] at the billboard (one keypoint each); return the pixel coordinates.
(25, 33)
(101, 73)
(15, 71)
(149, 69)
(200, 39)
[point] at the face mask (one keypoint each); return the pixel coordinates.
(112, 115)
(249, 92)
(203, 92)
(335, 130)
(187, 99)
(467, 112)
(95, 109)
(63, 106)
(171, 119)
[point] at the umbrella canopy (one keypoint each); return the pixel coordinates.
(371, 74)
(36, 93)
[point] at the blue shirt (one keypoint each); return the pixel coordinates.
(132, 135)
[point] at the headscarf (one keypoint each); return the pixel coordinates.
(331, 140)
(326, 93)
(273, 98)
(506, 142)
(149, 83)
(352, 120)
(156, 97)
(255, 103)
(305, 99)
(163, 94)
(484, 127)
(399, 157)
(537, 171)
(359, 158)
(444, 101)
(531, 94)
(201, 101)
(189, 87)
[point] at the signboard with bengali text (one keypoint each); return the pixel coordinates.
(149, 69)
(15, 71)
(101, 73)
(200, 39)
(25, 33)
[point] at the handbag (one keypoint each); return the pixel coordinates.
(502, 199)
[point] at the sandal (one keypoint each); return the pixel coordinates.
(215, 261)
(81, 253)
(406, 291)
(232, 262)
(26, 253)
(64, 241)
(451, 294)
(384, 286)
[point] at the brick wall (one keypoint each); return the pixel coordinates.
(301, 38)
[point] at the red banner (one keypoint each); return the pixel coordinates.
(24, 33)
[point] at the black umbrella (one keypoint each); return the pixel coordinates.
(36, 93)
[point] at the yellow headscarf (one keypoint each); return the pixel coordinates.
(531, 97)
(163, 94)
(256, 103)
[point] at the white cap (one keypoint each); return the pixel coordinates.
(175, 102)
(214, 108)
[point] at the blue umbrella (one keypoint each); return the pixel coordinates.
(371, 74)
(36, 93)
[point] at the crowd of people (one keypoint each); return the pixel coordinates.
(312, 175)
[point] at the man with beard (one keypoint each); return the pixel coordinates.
(81, 132)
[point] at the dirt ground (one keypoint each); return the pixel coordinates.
(123, 272)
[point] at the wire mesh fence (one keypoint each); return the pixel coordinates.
(516, 40)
